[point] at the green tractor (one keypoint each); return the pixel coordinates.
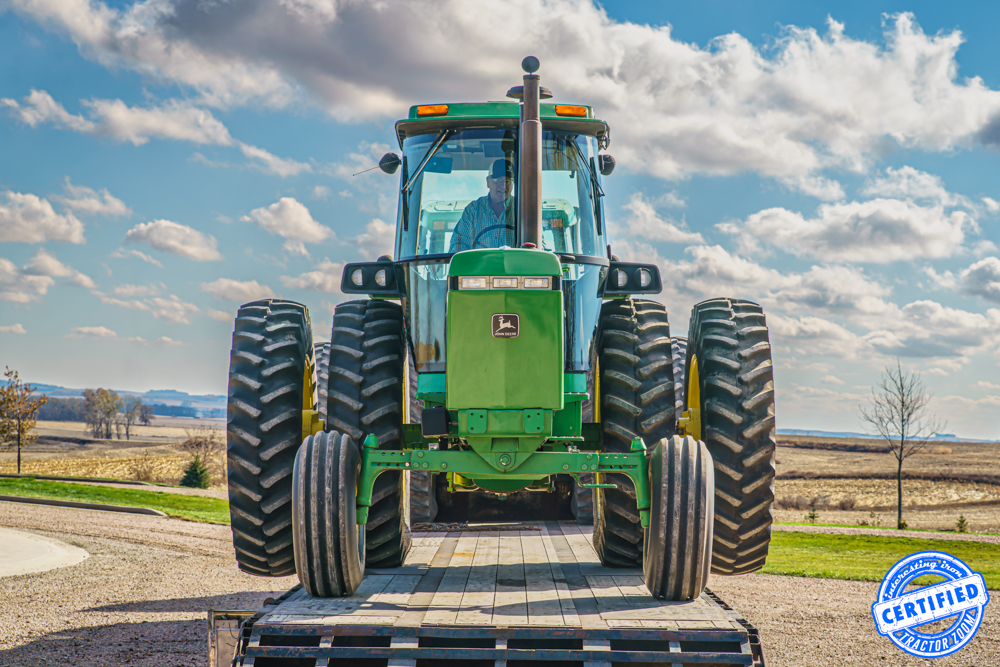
(508, 321)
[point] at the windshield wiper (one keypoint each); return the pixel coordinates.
(593, 172)
(423, 163)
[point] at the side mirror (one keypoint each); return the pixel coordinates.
(607, 164)
(389, 163)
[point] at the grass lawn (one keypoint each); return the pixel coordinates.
(854, 525)
(192, 508)
(869, 557)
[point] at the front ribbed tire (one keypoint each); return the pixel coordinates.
(637, 400)
(678, 544)
(729, 338)
(329, 543)
(270, 381)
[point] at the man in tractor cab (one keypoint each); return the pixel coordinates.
(488, 222)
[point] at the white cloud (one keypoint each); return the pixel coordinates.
(121, 303)
(945, 280)
(839, 290)
(122, 253)
(713, 270)
(226, 289)
(272, 164)
(912, 184)
(177, 120)
(26, 218)
(802, 103)
(928, 329)
(106, 333)
(819, 187)
(992, 205)
(325, 278)
(87, 200)
(378, 239)
(30, 283)
(177, 239)
(170, 308)
(874, 231)
(39, 108)
(813, 335)
(166, 341)
(291, 220)
(91, 332)
(45, 264)
(832, 379)
(982, 279)
(220, 315)
(670, 199)
(644, 223)
(132, 291)
(321, 192)
(13, 328)
(988, 385)
(173, 309)
(174, 119)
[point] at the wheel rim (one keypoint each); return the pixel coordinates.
(691, 418)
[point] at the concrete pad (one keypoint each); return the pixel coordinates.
(26, 553)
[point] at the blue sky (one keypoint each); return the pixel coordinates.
(165, 161)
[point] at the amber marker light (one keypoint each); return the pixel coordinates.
(567, 110)
(433, 110)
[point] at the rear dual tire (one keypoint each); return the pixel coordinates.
(728, 340)
(270, 385)
(366, 393)
(636, 400)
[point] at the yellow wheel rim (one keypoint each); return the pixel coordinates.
(690, 421)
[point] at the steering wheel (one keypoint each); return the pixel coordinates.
(490, 228)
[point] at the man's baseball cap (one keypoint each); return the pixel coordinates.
(502, 168)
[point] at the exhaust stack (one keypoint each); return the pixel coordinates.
(529, 189)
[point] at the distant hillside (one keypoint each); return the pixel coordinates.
(171, 397)
(941, 437)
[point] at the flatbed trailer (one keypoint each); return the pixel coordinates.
(518, 595)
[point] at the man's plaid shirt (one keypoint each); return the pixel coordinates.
(479, 216)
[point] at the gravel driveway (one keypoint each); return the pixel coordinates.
(140, 599)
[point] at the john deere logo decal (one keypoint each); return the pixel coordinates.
(505, 326)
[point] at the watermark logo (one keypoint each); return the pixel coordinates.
(962, 596)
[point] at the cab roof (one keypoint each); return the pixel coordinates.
(498, 114)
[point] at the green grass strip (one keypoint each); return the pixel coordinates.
(192, 508)
(854, 525)
(869, 557)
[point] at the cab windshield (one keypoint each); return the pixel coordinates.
(455, 186)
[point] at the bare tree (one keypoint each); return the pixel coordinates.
(146, 414)
(18, 414)
(131, 413)
(897, 412)
(102, 408)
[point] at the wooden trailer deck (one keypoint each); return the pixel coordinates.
(500, 598)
